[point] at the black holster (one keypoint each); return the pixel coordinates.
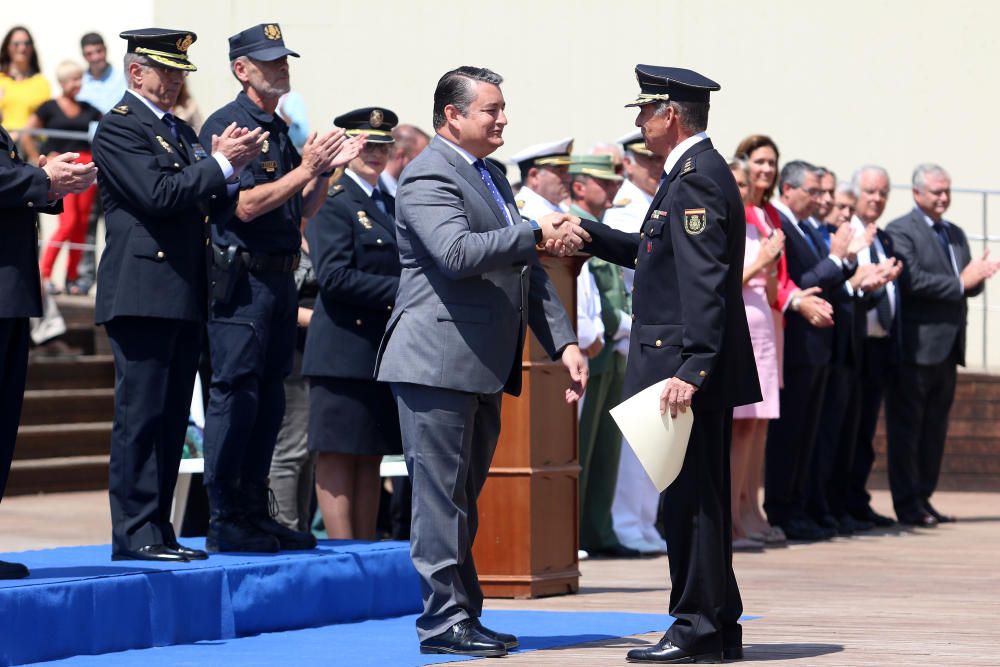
(225, 270)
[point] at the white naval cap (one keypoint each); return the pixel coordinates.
(549, 154)
(633, 141)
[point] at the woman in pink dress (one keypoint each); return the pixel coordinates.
(760, 290)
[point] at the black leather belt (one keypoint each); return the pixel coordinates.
(257, 262)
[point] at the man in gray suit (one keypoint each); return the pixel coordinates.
(471, 283)
(939, 274)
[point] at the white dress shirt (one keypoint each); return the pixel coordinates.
(875, 329)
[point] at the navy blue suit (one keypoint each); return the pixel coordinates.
(690, 323)
(159, 193)
(808, 352)
(252, 335)
(23, 191)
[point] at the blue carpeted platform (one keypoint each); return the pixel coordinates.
(385, 643)
(78, 601)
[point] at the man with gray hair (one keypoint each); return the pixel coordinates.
(880, 349)
(938, 277)
(253, 307)
(409, 141)
(808, 352)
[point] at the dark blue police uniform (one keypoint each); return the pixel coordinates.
(251, 329)
(353, 245)
(23, 191)
(689, 322)
(160, 189)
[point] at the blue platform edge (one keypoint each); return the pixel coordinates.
(78, 601)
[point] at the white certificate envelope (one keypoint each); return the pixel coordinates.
(659, 441)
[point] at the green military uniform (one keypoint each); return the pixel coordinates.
(600, 439)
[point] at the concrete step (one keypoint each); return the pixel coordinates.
(86, 372)
(71, 473)
(66, 406)
(49, 441)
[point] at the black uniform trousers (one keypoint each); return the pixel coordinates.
(918, 400)
(14, 337)
(252, 342)
(791, 440)
(155, 363)
(875, 373)
(698, 525)
(826, 488)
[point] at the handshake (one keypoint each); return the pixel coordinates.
(562, 234)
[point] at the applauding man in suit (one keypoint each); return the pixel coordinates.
(938, 275)
(470, 284)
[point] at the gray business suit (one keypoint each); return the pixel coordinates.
(470, 285)
(922, 389)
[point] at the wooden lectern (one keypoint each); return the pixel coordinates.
(528, 511)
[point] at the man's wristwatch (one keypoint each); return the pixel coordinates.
(537, 229)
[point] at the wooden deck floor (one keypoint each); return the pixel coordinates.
(921, 597)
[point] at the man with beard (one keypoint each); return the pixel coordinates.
(253, 309)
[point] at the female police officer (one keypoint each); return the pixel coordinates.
(353, 421)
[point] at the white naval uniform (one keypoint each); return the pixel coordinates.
(636, 500)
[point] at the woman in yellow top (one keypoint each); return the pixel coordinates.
(22, 86)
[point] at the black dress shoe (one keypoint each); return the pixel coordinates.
(509, 641)
(160, 552)
(850, 523)
(233, 534)
(918, 520)
(940, 518)
(617, 551)
(12, 570)
(188, 552)
(664, 652)
(464, 638)
(732, 653)
(868, 514)
(806, 531)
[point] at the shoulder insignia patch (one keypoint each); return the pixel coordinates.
(694, 221)
(688, 166)
(623, 201)
(123, 109)
(520, 203)
(334, 189)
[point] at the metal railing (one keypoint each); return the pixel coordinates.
(981, 304)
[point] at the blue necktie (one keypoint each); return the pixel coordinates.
(171, 123)
(824, 231)
(379, 201)
(484, 173)
(804, 226)
(943, 239)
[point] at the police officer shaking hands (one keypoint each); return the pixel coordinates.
(252, 318)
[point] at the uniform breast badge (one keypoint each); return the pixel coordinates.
(364, 221)
(265, 146)
(270, 166)
(694, 221)
(658, 214)
(199, 151)
(163, 142)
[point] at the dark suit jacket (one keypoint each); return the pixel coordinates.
(689, 318)
(353, 246)
(933, 312)
(23, 193)
(159, 195)
(809, 267)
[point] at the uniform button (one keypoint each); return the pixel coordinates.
(159, 254)
(176, 166)
(378, 241)
(207, 241)
(213, 196)
(659, 343)
(206, 219)
(635, 261)
(31, 204)
(702, 373)
(358, 322)
(642, 235)
(389, 307)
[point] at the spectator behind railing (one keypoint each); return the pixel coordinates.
(22, 86)
(68, 114)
